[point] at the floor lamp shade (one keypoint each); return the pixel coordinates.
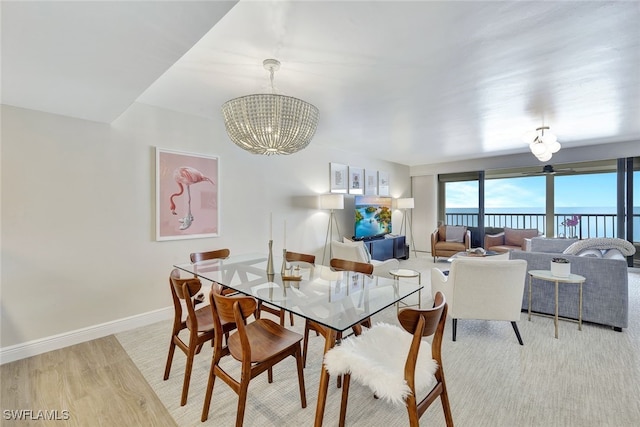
(332, 201)
(406, 203)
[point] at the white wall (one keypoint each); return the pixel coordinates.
(78, 212)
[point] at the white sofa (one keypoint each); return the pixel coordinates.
(357, 251)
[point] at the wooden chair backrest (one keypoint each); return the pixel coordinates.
(203, 256)
(345, 265)
(295, 256)
(224, 307)
(424, 322)
(186, 288)
(409, 318)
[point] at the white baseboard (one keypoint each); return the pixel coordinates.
(55, 342)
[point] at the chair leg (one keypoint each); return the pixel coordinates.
(270, 375)
(242, 402)
(303, 394)
(187, 376)
(207, 397)
(412, 410)
(291, 318)
(172, 350)
(454, 324)
(345, 397)
(199, 348)
(444, 398)
(515, 329)
(257, 313)
(338, 339)
(305, 344)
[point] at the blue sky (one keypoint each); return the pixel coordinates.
(593, 190)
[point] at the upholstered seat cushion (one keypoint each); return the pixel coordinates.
(376, 359)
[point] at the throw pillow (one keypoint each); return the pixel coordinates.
(593, 253)
(516, 236)
(603, 243)
(613, 254)
(455, 233)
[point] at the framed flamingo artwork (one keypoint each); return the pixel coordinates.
(187, 195)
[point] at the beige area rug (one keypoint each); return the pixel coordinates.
(584, 378)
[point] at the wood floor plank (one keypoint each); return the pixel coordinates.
(96, 382)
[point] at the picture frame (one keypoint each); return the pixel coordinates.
(383, 183)
(356, 180)
(187, 195)
(370, 182)
(339, 178)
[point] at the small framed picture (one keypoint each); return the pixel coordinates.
(370, 182)
(339, 177)
(356, 180)
(383, 183)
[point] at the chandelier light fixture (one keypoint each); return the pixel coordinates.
(269, 123)
(542, 143)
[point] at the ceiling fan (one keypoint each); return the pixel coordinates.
(549, 170)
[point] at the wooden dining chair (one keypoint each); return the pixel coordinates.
(339, 265)
(199, 324)
(400, 372)
(205, 256)
(258, 346)
(292, 257)
(209, 255)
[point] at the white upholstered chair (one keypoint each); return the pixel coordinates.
(356, 251)
(483, 289)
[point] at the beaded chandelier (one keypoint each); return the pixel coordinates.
(270, 123)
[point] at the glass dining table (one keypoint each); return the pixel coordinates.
(336, 300)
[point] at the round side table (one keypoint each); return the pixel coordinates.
(406, 273)
(572, 278)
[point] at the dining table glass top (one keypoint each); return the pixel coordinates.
(335, 299)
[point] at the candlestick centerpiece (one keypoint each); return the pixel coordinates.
(270, 259)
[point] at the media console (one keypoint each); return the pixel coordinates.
(387, 247)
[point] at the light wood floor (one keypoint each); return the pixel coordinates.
(96, 382)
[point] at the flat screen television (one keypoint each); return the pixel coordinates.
(372, 217)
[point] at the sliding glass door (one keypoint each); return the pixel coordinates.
(584, 200)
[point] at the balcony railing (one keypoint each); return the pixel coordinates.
(590, 225)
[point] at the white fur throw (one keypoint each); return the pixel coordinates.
(603, 243)
(376, 358)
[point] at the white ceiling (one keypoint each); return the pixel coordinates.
(418, 82)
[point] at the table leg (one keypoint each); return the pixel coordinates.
(555, 320)
(530, 278)
(330, 341)
(580, 310)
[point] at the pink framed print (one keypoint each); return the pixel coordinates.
(187, 195)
